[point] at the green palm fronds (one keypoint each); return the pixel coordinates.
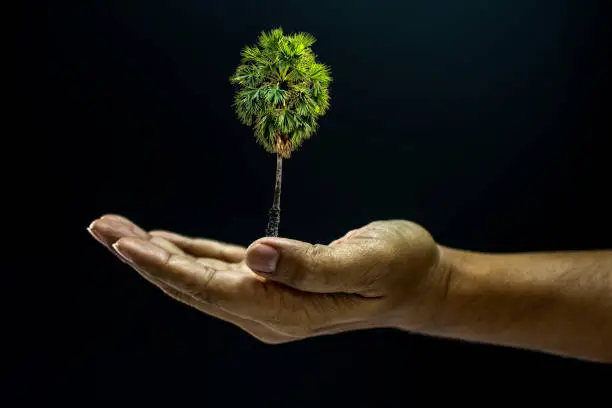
(281, 90)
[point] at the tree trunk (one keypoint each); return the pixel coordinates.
(274, 213)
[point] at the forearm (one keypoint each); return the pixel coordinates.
(559, 303)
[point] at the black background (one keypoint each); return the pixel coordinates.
(483, 121)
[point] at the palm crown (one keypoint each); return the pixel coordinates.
(282, 90)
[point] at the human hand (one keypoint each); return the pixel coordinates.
(385, 274)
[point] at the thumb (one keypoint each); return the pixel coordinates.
(315, 268)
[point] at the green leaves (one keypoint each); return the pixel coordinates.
(303, 39)
(274, 95)
(319, 73)
(251, 55)
(249, 76)
(248, 105)
(269, 40)
(281, 88)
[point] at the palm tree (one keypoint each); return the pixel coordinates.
(281, 92)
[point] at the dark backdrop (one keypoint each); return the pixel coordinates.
(483, 121)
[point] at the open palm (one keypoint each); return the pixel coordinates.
(213, 277)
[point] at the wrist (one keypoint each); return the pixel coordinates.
(524, 301)
(553, 302)
(436, 306)
(480, 296)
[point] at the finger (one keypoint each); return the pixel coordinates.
(118, 219)
(204, 247)
(286, 310)
(109, 229)
(215, 263)
(115, 227)
(348, 268)
(213, 286)
(167, 245)
(255, 329)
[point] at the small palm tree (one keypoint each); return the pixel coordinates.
(282, 90)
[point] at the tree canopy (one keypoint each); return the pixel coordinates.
(281, 90)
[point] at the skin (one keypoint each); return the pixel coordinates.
(386, 274)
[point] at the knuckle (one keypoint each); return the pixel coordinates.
(306, 263)
(316, 255)
(317, 250)
(167, 261)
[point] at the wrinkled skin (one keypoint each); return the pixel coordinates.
(385, 274)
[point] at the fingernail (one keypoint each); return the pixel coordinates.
(263, 258)
(121, 254)
(94, 235)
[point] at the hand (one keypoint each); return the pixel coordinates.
(385, 274)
